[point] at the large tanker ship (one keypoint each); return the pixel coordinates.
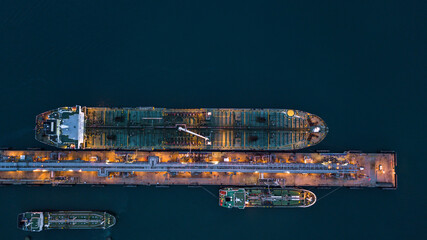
(174, 129)
(38, 221)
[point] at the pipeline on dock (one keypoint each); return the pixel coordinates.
(199, 168)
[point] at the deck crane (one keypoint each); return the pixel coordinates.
(195, 134)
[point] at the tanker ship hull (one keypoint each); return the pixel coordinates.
(39, 221)
(179, 129)
(265, 197)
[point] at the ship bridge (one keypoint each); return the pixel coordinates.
(62, 128)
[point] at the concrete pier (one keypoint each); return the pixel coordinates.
(356, 170)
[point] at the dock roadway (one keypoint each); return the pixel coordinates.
(355, 170)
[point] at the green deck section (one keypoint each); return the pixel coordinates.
(65, 220)
(265, 197)
(157, 129)
(232, 198)
(31, 221)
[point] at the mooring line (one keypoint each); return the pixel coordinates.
(329, 193)
(211, 193)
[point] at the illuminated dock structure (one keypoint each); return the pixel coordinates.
(350, 169)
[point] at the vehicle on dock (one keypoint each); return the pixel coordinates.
(265, 197)
(38, 221)
(177, 129)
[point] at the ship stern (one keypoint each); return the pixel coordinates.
(63, 127)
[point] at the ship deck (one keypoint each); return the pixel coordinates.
(158, 129)
(354, 170)
(75, 220)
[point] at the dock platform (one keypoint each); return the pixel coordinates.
(162, 168)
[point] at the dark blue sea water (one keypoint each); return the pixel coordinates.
(360, 65)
